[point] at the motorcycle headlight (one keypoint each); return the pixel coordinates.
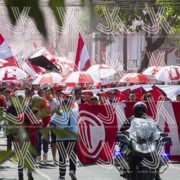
(143, 148)
(117, 151)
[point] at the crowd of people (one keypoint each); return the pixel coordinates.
(39, 108)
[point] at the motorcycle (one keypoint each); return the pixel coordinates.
(139, 153)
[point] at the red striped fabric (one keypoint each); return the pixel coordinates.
(6, 53)
(82, 61)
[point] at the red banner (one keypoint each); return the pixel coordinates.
(98, 126)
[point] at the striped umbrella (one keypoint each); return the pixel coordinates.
(134, 78)
(168, 74)
(79, 78)
(48, 78)
(101, 71)
(152, 70)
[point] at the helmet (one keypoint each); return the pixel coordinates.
(139, 109)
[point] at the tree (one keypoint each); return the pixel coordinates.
(157, 18)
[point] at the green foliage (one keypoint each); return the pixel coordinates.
(42, 114)
(130, 10)
(35, 13)
(1, 115)
(63, 133)
(39, 112)
(45, 133)
(4, 155)
(54, 4)
(58, 132)
(172, 40)
(172, 6)
(27, 164)
(57, 111)
(22, 134)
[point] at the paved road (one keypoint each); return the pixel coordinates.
(8, 171)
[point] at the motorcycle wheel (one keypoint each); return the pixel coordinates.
(145, 176)
(140, 176)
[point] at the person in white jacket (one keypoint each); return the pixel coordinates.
(67, 120)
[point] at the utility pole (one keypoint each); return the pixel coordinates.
(125, 51)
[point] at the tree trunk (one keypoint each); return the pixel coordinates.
(125, 52)
(144, 62)
(152, 46)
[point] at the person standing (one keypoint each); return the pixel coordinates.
(139, 111)
(55, 101)
(67, 121)
(42, 106)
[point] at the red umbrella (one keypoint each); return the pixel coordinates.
(134, 78)
(48, 78)
(78, 77)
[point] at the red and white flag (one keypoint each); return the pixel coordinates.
(82, 61)
(6, 54)
(31, 69)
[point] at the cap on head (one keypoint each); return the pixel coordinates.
(94, 97)
(77, 90)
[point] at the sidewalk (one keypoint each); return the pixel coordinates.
(2, 141)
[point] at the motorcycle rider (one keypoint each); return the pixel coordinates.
(139, 111)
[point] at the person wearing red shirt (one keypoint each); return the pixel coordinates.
(42, 105)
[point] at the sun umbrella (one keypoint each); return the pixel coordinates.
(101, 82)
(48, 78)
(12, 73)
(134, 78)
(79, 77)
(66, 66)
(152, 70)
(101, 71)
(168, 74)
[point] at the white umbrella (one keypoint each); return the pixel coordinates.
(12, 73)
(79, 77)
(48, 78)
(101, 71)
(101, 82)
(134, 78)
(152, 70)
(168, 74)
